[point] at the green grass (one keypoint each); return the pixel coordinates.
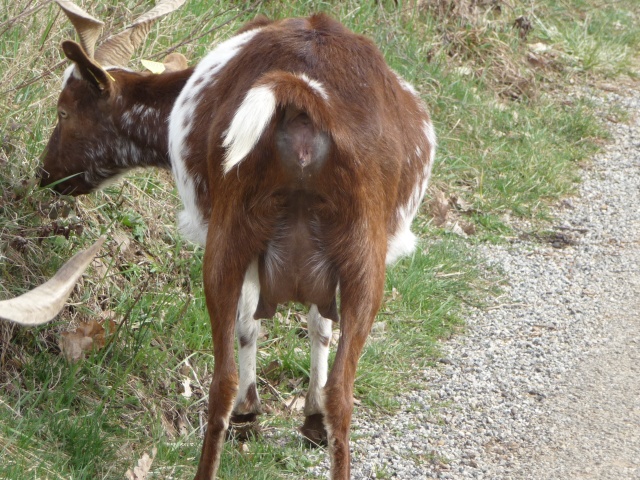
(510, 141)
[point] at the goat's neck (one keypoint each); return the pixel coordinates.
(144, 105)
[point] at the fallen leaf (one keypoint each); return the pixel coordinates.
(74, 344)
(153, 67)
(539, 47)
(141, 470)
(461, 204)
(297, 404)
(186, 385)
(439, 208)
(87, 336)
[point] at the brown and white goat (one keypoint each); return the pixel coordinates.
(301, 160)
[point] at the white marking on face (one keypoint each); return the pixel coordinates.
(191, 220)
(248, 125)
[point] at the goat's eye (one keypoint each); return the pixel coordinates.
(63, 113)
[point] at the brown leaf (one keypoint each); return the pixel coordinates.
(439, 208)
(141, 470)
(461, 204)
(74, 344)
(297, 404)
(88, 336)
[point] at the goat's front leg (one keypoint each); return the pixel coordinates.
(319, 338)
(361, 289)
(247, 404)
(224, 268)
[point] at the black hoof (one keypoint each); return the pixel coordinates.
(243, 427)
(313, 430)
(240, 419)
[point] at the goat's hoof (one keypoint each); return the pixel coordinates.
(314, 431)
(242, 427)
(242, 418)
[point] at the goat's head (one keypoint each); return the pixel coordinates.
(76, 160)
(82, 153)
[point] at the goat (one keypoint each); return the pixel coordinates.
(301, 159)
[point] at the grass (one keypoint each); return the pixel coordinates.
(496, 78)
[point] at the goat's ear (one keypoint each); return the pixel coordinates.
(174, 62)
(88, 68)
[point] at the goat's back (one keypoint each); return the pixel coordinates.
(311, 91)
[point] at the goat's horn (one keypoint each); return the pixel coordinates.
(118, 49)
(43, 303)
(88, 28)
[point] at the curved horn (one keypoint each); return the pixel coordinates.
(118, 49)
(43, 303)
(88, 28)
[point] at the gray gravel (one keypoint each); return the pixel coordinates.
(546, 383)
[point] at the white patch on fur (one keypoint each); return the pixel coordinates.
(247, 328)
(430, 133)
(248, 125)
(68, 73)
(315, 85)
(191, 221)
(319, 333)
(403, 241)
(406, 85)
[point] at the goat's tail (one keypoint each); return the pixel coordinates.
(301, 137)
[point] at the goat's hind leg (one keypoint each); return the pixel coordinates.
(319, 337)
(224, 270)
(361, 295)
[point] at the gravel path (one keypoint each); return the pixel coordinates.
(546, 383)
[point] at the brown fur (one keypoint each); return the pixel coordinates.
(327, 184)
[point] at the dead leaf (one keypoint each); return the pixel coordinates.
(100, 267)
(182, 424)
(379, 328)
(169, 428)
(539, 47)
(141, 471)
(87, 336)
(457, 229)
(122, 241)
(297, 404)
(74, 344)
(186, 385)
(439, 208)
(461, 204)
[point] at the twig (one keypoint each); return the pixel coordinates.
(25, 12)
(127, 315)
(207, 32)
(507, 305)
